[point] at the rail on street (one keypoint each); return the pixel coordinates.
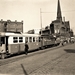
(58, 60)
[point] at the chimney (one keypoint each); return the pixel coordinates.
(1, 20)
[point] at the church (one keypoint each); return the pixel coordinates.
(58, 26)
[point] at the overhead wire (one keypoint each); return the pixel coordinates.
(61, 11)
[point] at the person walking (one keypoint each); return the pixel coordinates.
(26, 48)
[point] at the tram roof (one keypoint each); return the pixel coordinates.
(18, 34)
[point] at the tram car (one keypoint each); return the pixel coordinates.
(49, 41)
(11, 43)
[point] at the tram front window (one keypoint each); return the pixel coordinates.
(2, 41)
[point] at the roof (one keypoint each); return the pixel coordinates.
(67, 24)
(56, 21)
(17, 34)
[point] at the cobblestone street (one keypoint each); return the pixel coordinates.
(51, 61)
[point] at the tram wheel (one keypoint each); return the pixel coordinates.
(42, 48)
(2, 56)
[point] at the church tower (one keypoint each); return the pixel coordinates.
(59, 16)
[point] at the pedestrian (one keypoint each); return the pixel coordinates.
(62, 42)
(26, 48)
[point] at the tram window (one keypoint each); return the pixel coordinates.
(30, 39)
(26, 39)
(52, 39)
(20, 39)
(36, 39)
(33, 39)
(39, 39)
(15, 39)
(2, 40)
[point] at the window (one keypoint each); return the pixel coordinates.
(15, 39)
(33, 39)
(30, 39)
(2, 40)
(20, 39)
(26, 39)
(39, 39)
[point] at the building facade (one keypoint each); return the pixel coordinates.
(11, 26)
(61, 27)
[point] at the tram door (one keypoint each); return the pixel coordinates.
(42, 42)
(3, 44)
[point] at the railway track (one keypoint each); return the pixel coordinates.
(23, 56)
(48, 63)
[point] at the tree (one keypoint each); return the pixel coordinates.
(31, 31)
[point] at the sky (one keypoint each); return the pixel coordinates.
(29, 12)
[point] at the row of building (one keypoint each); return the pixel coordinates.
(58, 26)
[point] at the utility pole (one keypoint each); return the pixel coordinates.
(64, 20)
(41, 20)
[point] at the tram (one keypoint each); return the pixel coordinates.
(11, 43)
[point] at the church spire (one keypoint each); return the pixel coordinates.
(59, 17)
